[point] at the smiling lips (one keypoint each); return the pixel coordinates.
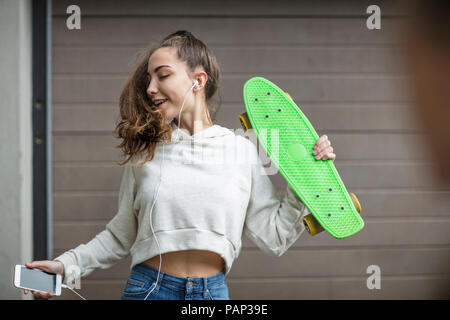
(159, 105)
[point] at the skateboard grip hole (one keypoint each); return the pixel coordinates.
(330, 189)
(279, 110)
(267, 115)
(268, 93)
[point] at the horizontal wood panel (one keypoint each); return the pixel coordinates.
(72, 148)
(336, 117)
(233, 8)
(89, 178)
(227, 31)
(431, 287)
(383, 232)
(372, 175)
(342, 117)
(88, 206)
(367, 174)
(118, 59)
(320, 88)
(324, 263)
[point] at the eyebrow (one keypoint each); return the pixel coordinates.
(157, 68)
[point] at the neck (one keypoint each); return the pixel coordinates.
(194, 121)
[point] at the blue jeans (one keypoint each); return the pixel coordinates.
(143, 278)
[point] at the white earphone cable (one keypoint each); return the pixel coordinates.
(67, 287)
(157, 192)
(151, 225)
(179, 114)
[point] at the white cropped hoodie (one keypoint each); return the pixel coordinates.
(214, 187)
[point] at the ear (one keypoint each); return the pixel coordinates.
(201, 77)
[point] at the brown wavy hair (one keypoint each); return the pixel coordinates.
(141, 126)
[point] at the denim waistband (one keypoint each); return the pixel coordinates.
(179, 282)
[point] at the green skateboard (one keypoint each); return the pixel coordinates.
(288, 138)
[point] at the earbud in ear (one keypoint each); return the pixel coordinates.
(195, 84)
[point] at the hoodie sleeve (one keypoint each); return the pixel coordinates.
(271, 224)
(113, 243)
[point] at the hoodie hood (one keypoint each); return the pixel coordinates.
(207, 148)
(209, 132)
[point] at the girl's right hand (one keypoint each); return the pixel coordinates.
(51, 266)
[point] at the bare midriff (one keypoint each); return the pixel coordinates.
(189, 263)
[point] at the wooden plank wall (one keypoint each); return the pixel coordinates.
(348, 80)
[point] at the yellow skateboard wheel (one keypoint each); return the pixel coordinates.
(355, 202)
(311, 225)
(245, 121)
(289, 96)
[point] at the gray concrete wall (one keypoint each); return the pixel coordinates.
(15, 142)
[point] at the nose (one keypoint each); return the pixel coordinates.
(151, 89)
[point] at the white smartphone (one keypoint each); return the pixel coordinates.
(37, 280)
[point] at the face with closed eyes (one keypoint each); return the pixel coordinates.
(168, 79)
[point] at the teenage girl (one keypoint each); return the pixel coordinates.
(181, 220)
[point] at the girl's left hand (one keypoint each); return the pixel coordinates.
(323, 149)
